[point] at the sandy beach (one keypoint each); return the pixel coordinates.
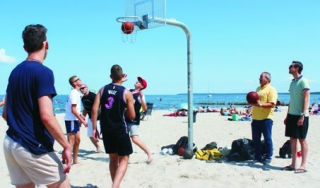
(174, 171)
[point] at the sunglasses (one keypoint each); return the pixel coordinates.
(76, 80)
(295, 66)
(81, 88)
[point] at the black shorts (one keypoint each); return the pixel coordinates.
(295, 131)
(117, 142)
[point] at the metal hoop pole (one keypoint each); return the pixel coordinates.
(190, 74)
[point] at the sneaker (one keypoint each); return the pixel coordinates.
(255, 162)
(266, 161)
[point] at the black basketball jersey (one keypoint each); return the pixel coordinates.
(137, 107)
(88, 101)
(113, 104)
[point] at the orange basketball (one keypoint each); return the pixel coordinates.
(252, 97)
(127, 27)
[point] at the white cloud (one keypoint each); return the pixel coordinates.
(4, 58)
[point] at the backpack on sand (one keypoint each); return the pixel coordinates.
(241, 149)
(183, 142)
(285, 150)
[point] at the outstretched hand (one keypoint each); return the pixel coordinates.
(66, 159)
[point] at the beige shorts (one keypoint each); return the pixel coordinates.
(25, 167)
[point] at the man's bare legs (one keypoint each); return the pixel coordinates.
(96, 144)
(74, 141)
(118, 167)
(60, 184)
(139, 143)
(294, 152)
(304, 153)
(30, 185)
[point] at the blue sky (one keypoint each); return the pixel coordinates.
(232, 43)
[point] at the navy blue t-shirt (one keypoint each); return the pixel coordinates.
(29, 81)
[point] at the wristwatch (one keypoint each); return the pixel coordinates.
(302, 114)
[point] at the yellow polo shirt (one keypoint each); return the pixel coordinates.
(267, 93)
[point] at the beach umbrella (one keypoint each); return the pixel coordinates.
(185, 106)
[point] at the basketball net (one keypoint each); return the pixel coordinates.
(129, 38)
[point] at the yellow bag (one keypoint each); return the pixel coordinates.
(202, 154)
(208, 155)
(214, 154)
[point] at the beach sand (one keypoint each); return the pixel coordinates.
(174, 171)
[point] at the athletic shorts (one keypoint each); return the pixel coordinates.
(89, 128)
(25, 167)
(72, 126)
(117, 142)
(133, 129)
(295, 131)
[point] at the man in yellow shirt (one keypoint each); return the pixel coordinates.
(262, 118)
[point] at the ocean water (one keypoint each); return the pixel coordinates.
(167, 102)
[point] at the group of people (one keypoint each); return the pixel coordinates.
(314, 109)
(113, 116)
(296, 121)
(33, 128)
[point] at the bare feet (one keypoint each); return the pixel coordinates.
(77, 162)
(99, 150)
(150, 158)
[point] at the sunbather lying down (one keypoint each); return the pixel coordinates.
(179, 112)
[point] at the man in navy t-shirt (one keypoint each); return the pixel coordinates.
(32, 126)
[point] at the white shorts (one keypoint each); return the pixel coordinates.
(133, 129)
(89, 128)
(25, 167)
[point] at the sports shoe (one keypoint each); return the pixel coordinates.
(266, 161)
(255, 162)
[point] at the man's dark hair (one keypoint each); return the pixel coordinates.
(116, 72)
(33, 37)
(299, 64)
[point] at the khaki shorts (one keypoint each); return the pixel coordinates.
(25, 167)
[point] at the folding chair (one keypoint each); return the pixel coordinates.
(148, 112)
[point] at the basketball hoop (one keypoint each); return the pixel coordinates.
(138, 25)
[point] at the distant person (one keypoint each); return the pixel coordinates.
(262, 118)
(209, 109)
(32, 127)
(139, 102)
(73, 117)
(224, 112)
(87, 101)
(179, 112)
(297, 120)
(2, 102)
(116, 102)
(233, 110)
